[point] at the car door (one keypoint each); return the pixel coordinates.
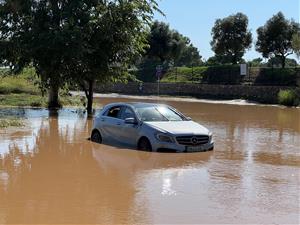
(129, 132)
(111, 122)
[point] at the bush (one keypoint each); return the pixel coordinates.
(225, 74)
(146, 70)
(277, 76)
(185, 74)
(288, 98)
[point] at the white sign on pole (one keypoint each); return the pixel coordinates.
(244, 69)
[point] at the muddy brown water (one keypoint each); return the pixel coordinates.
(51, 173)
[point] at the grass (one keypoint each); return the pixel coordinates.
(16, 84)
(11, 122)
(22, 90)
(22, 100)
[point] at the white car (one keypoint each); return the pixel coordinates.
(150, 127)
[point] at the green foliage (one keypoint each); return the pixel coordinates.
(296, 44)
(169, 46)
(73, 40)
(224, 74)
(146, 69)
(231, 38)
(213, 75)
(185, 74)
(288, 98)
(27, 100)
(257, 62)
(162, 45)
(230, 74)
(10, 122)
(21, 83)
(22, 100)
(282, 76)
(190, 57)
(276, 62)
(73, 101)
(275, 37)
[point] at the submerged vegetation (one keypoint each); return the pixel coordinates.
(288, 98)
(11, 122)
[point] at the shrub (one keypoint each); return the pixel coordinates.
(224, 74)
(277, 76)
(288, 98)
(185, 74)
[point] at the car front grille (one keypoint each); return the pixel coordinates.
(193, 140)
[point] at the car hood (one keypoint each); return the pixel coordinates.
(179, 127)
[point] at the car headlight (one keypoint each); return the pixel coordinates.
(210, 135)
(164, 138)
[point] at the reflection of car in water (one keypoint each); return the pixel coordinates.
(109, 158)
(152, 127)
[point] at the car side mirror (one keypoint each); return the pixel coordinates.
(189, 118)
(131, 121)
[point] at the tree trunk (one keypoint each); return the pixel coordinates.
(282, 61)
(53, 96)
(90, 96)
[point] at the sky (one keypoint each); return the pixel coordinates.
(195, 18)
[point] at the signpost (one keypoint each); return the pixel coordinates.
(244, 69)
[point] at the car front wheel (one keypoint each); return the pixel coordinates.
(96, 137)
(144, 145)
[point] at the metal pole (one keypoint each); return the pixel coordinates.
(158, 88)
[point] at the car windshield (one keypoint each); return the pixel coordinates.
(158, 113)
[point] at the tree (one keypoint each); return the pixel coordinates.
(296, 44)
(67, 40)
(276, 62)
(275, 37)
(257, 62)
(160, 42)
(213, 61)
(115, 36)
(190, 56)
(40, 32)
(167, 48)
(169, 45)
(231, 38)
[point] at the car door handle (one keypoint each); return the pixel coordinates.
(119, 124)
(102, 119)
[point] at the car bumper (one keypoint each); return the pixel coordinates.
(180, 148)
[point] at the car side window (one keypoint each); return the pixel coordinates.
(114, 112)
(127, 113)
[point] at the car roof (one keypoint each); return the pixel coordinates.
(135, 104)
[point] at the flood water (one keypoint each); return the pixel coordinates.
(51, 173)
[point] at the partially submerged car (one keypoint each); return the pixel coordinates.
(150, 127)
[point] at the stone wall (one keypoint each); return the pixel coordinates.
(263, 94)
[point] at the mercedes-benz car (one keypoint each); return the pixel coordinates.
(150, 127)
